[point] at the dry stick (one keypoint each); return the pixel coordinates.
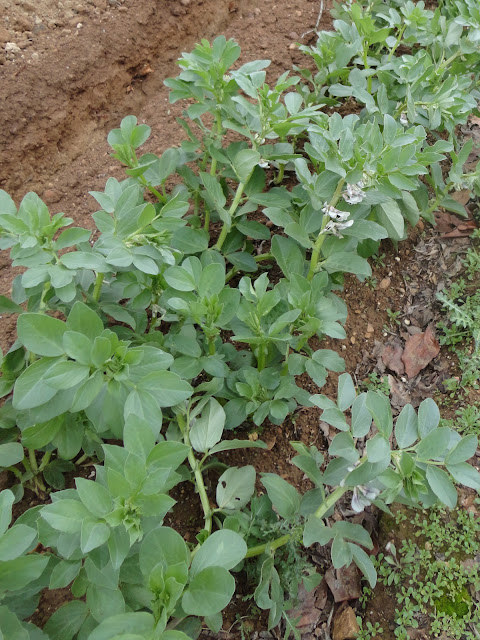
(317, 24)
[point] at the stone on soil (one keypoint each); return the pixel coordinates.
(345, 625)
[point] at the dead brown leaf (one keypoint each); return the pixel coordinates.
(420, 349)
(392, 357)
(344, 583)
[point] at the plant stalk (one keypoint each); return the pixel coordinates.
(98, 286)
(328, 503)
(321, 236)
(231, 211)
(194, 465)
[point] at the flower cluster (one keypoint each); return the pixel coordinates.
(354, 193)
(338, 222)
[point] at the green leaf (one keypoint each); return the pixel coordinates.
(442, 486)
(244, 163)
(463, 451)
(16, 541)
(138, 436)
(288, 255)
(342, 553)
(378, 449)
(344, 262)
(223, 548)
(71, 237)
(66, 374)
(365, 564)
(316, 531)
(94, 533)
(84, 320)
(180, 279)
(8, 306)
(235, 487)
(390, 217)
(428, 417)
(434, 445)
(17, 574)
(85, 260)
(208, 428)
(94, 496)
(228, 445)
(163, 545)
(361, 417)
(465, 474)
(10, 454)
(209, 592)
(406, 427)
(212, 280)
(66, 621)
(6, 500)
(346, 392)
(64, 573)
(188, 240)
(41, 434)
(12, 628)
(343, 446)
(167, 388)
(41, 334)
(138, 623)
(284, 497)
(31, 390)
(65, 515)
(379, 407)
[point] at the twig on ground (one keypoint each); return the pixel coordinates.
(320, 14)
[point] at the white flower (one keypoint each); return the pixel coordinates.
(403, 119)
(354, 193)
(335, 214)
(362, 497)
(335, 227)
(263, 164)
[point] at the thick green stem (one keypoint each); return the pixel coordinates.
(328, 503)
(234, 270)
(262, 356)
(33, 460)
(98, 286)
(16, 472)
(321, 236)
(231, 211)
(261, 548)
(157, 194)
(211, 345)
(218, 118)
(280, 175)
(43, 302)
(206, 221)
(194, 465)
(45, 461)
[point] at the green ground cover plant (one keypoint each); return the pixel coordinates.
(434, 573)
(173, 327)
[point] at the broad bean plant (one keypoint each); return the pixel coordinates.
(204, 294)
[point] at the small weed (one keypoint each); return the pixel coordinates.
(379, 259)
(432, 574)
(375, 382)
(466, 421)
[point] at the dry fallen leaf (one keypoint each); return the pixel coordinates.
(392, 357)
(344, 583)
(420, 349)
